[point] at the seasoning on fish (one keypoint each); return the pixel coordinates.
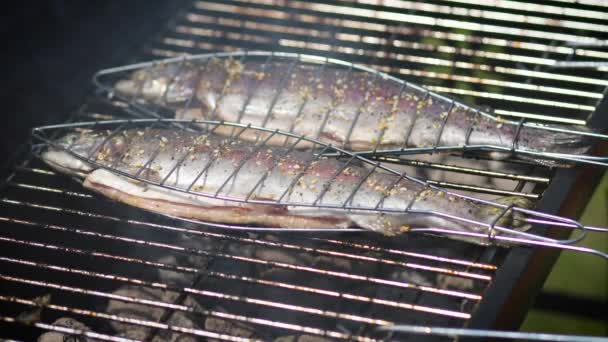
(353, 109)
(235, 169)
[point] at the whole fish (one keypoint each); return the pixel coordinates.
(237, 169)
(356, 110)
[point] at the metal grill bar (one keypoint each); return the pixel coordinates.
(195, 251)
(299, 288)
(401, 44)
(501, 83)
(214, 294)
(405, 253)
(251, 18)
(510, 335)
(200, 292)
(197, 19)
(137, 322)
(546, 9)
(464, 170)
(160, 304)
(249, 300)
(494, 15)
(512, 98)
(258, 9)
(65, 330)
(332, 334)
(35, 170)
(365, 11)
(42, 188)
(260, 242)
(481, 189)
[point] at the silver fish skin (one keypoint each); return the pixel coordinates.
(205, 162)
(353, 109)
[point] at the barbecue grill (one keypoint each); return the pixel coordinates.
(128, 274)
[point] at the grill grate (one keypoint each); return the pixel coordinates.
(503, 60)
(81, 251)
(61, 240)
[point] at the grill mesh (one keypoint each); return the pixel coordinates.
(112, 267)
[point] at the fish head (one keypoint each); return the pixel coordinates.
(63, 154)
(163, 84)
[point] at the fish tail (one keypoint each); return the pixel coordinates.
(556, 142)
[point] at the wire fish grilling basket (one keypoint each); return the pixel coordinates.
(337, 102)
(247, 179)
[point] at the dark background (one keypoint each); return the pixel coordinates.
(51, 50)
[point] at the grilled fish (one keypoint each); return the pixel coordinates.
(353, 109)
(231, 168)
